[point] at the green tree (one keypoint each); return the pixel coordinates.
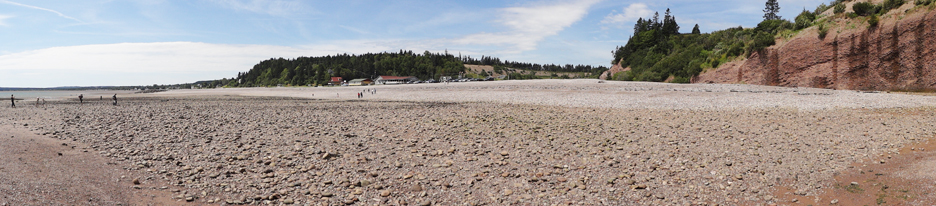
(864, 8)
(839, 8)
(804, 19)
(770, 13)
(670, 27)
(873, 20)
(321, 76)
(285, 76)
(695, 30)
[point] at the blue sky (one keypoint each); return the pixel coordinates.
(48, 43)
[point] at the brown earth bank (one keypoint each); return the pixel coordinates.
(272, 150)
(614, 70)
(897, 55)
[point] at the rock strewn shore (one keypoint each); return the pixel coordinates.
(233, 150)
(590, 93)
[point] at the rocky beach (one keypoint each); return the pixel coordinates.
(538, 142)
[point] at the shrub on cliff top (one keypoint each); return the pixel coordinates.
(840, 8)
(873, 20)
(773, 26)
(889, 5)
(892, 4)
(864, 8)
(823, 31)
(804, 20)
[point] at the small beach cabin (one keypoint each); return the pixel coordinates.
(335, 81)
(360, 82)
(395, 80)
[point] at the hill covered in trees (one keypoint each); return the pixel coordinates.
(882, 45)
(319, 70)
(658, 52)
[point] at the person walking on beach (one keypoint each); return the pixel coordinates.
(81, 99)
(12, 101)
(115, 99)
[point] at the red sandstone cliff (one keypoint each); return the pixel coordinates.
(898, 54)
(614, 70)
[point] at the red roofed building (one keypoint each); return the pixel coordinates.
(395, 80)
(335, 81)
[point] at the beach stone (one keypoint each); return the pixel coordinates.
(416, 188)
(385, 193)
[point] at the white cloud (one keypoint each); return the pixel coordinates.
(150, 63)
(2, 18)
(530, 25)
(270, 7)
(40, 8)
(630, 14)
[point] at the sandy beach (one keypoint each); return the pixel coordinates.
(535, 142)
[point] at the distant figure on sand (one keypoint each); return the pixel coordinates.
(81, 99)
(115, 99)
(12, 101)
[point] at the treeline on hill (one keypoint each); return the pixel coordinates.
(658, 52)
(494, 61)
(319, 70)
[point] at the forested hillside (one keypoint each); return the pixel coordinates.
(658, 52)
(882, 45)
(318, 70)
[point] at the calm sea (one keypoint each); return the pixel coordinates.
(60, 94)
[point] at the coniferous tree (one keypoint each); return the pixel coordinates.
(656, 21)
(670, 27)
(695, 30)
(770, 13)
(639, 27)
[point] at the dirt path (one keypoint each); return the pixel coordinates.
(902, 178)
(37, 170)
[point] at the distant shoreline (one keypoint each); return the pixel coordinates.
(51, 95)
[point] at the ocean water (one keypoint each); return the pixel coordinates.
(61, 94)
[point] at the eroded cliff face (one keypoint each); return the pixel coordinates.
(896, 55)
(614, 70)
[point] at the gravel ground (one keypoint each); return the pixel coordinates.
(696, 144)
(591, 93)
